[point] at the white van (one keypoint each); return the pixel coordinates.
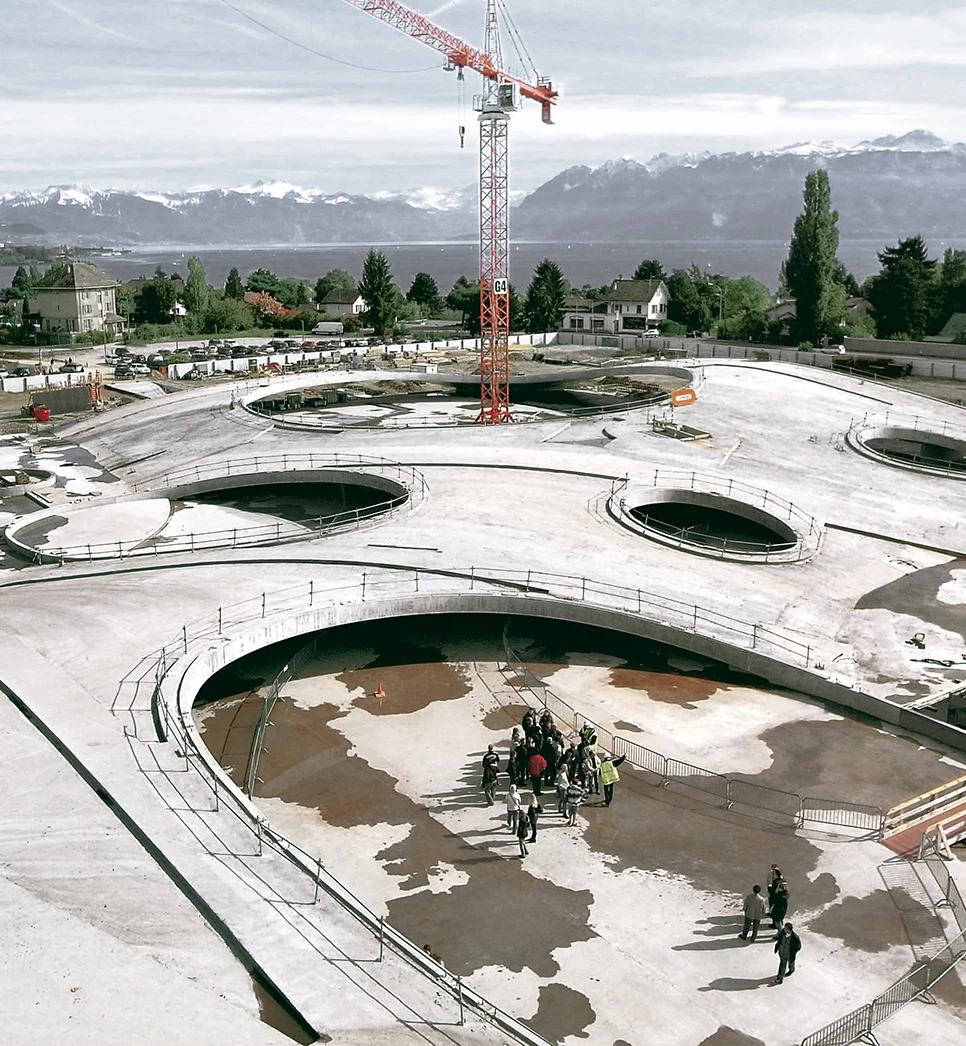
(332, 327)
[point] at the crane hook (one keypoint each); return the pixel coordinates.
(462, 135)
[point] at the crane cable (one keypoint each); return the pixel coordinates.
(320, 54)
(516, 39)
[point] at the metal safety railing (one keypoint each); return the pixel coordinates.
(807, 530)
(407, 479)
(729, 791)
(859, 1025)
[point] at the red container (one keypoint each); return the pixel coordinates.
(41, 413)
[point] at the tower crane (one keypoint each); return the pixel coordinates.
(498, 100)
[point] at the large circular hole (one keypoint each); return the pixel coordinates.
(311, 504)
(928, 450)
(715, 527)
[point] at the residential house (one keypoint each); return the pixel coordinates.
(75, 298)
(343, 303)
(628, 307)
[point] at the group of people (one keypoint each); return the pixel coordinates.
(787, 943)
(541, 756)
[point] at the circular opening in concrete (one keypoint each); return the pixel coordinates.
(313, 505)
(712, 523)
(914, 448)
(453, 399)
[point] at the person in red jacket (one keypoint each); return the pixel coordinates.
(536, 765)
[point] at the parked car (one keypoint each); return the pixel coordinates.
(26, 371)
(123, 371)
(651, 332)
(70, 368)
(140, 368)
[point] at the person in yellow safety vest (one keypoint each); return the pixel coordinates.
(588, 735)
(609, 775)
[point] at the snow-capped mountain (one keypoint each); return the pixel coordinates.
(884, 188)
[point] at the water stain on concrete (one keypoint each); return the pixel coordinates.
(654, 829)
(506, 717)
(619, 724)
(868, 924)
(916, 595)
(848, 759)
(726, 1036)
(664, 686)
(407, 688)
(561, 1012)
(307, 761)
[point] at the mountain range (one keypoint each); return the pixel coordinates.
(883, 189)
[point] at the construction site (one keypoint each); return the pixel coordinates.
(259, 635)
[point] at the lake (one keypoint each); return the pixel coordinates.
(593, 263)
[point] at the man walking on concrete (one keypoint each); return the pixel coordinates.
(491, 769)
(754, 912)
(787, 946)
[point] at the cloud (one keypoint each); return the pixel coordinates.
(822, 41)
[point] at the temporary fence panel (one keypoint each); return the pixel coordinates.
(845, 815)
(644, 758)
(763, 798)
(900, 994)
(696, 777)
(844, 1031)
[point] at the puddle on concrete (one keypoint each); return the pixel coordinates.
(504, 718)
(655, 829)
(848, 759)
(868, 924)
(277, 1015)
(917, 595)
(34, 534)
(619, 724)
(726, 1036)
(307, 762)
(561, 1012)
(665, 687)
(405, 688)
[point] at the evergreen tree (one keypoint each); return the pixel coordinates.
(234, 288)
(650, 269)
(333, 280)
(21, 282)
(197, 293)
(902, 292)
(464, 298)
(156, 300)
(424, 291)
(263, 280)
(378, 291)
(687, 305)
(811, 265)
(545, 297)
(952, 284)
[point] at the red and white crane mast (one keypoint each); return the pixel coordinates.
(494, 105)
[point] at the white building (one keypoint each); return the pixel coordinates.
(75, 298)
(343, 303)
(629, 307)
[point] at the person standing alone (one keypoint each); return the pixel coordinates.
(787, 946)
(536, 765)
(609, 775)
(513, 808)
(755, 908)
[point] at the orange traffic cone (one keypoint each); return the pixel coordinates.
(380, 693)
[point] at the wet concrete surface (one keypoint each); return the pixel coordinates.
(561, 1013)
(668, 687)
(726, 1036)
(307, 761)
(916, 595)
(859, 763)
(659, 832)
(868, 924)
(406, 688)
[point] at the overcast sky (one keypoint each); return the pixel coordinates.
(183, 93)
